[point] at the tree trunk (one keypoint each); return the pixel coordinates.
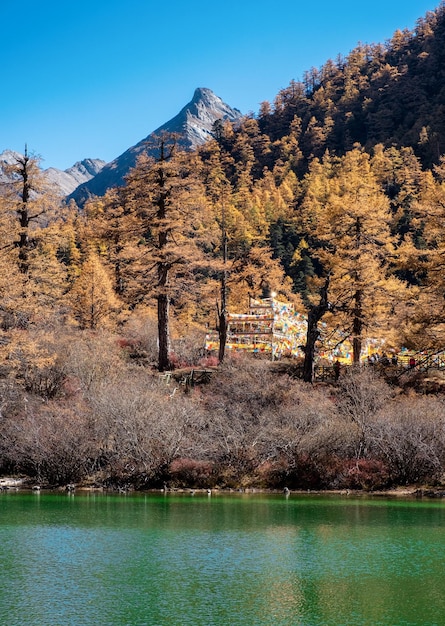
(357, 323)
(163, 298)
(222, 313)
(309, 351)
(24, 217)
(222, 332)
(357, 327)
(315, 314)
(163, 333)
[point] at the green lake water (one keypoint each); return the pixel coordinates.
(220, 560)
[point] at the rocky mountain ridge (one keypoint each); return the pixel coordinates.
(194, 124)
(92, 177)
(80, 173)
(64, 182)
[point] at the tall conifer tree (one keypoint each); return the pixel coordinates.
(167, 195)
(348, 219)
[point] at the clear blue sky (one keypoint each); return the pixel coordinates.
(90, 78)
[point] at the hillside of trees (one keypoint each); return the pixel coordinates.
(390, 93)
(333, 197)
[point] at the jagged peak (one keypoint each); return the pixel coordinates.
(91, 166)
(193, 124)
(204, 94)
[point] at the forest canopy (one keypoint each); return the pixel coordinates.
(342, 176)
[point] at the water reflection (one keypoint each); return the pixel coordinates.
(95, 559)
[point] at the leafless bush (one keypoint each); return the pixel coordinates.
(188, 349)
(236, 405)
(360, 395)
(260, 419)
(251, 425)
(46, 382)
(409, 436)
(12, 399)
(143, 427)
(185, 472)
(51, 444)
(142, 332)
(91, 358)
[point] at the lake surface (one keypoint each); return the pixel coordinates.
(229, 560)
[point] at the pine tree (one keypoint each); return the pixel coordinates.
(29, 199)
(113, 228)
(167, 195)
(92, 300)
(29, 210)
(427, 263)
(348, 219)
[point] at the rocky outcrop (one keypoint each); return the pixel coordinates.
(81, 172)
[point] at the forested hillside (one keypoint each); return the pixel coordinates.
(333, 197)
(392, 93)
(341, 179)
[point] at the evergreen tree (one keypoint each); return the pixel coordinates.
(167, 195)
(348, 219)
(29, 198)
(28, 213)
(92, 300)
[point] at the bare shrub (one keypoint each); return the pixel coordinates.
(188, 349)
(352, 473)
(142, 427)
(409, 436)
(360, 395)
(12, 399)
(185, 472)
(141, 331)
(48, 381)
(91, 358)
(51, 444)
(237, 404)
(263, 424)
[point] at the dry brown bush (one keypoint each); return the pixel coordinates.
(184, 472)
(259, 418)
(250, 426)
(361, 394)
(92, 357)
(143, 425)
(51, 443)
(408, 434)
(141, 331)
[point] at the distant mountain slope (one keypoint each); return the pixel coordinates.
(194, 125)
(64, 182)
(81, 172)
(7, 157)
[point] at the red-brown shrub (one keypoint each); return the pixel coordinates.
(191, 473)
(366, 474)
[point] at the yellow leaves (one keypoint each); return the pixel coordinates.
(298, 253)
(348, 219)
(257, 273)
(28, 357)
(92, 299)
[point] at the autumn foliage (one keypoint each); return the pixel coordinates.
(333, 197)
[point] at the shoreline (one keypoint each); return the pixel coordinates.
(11, 484)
